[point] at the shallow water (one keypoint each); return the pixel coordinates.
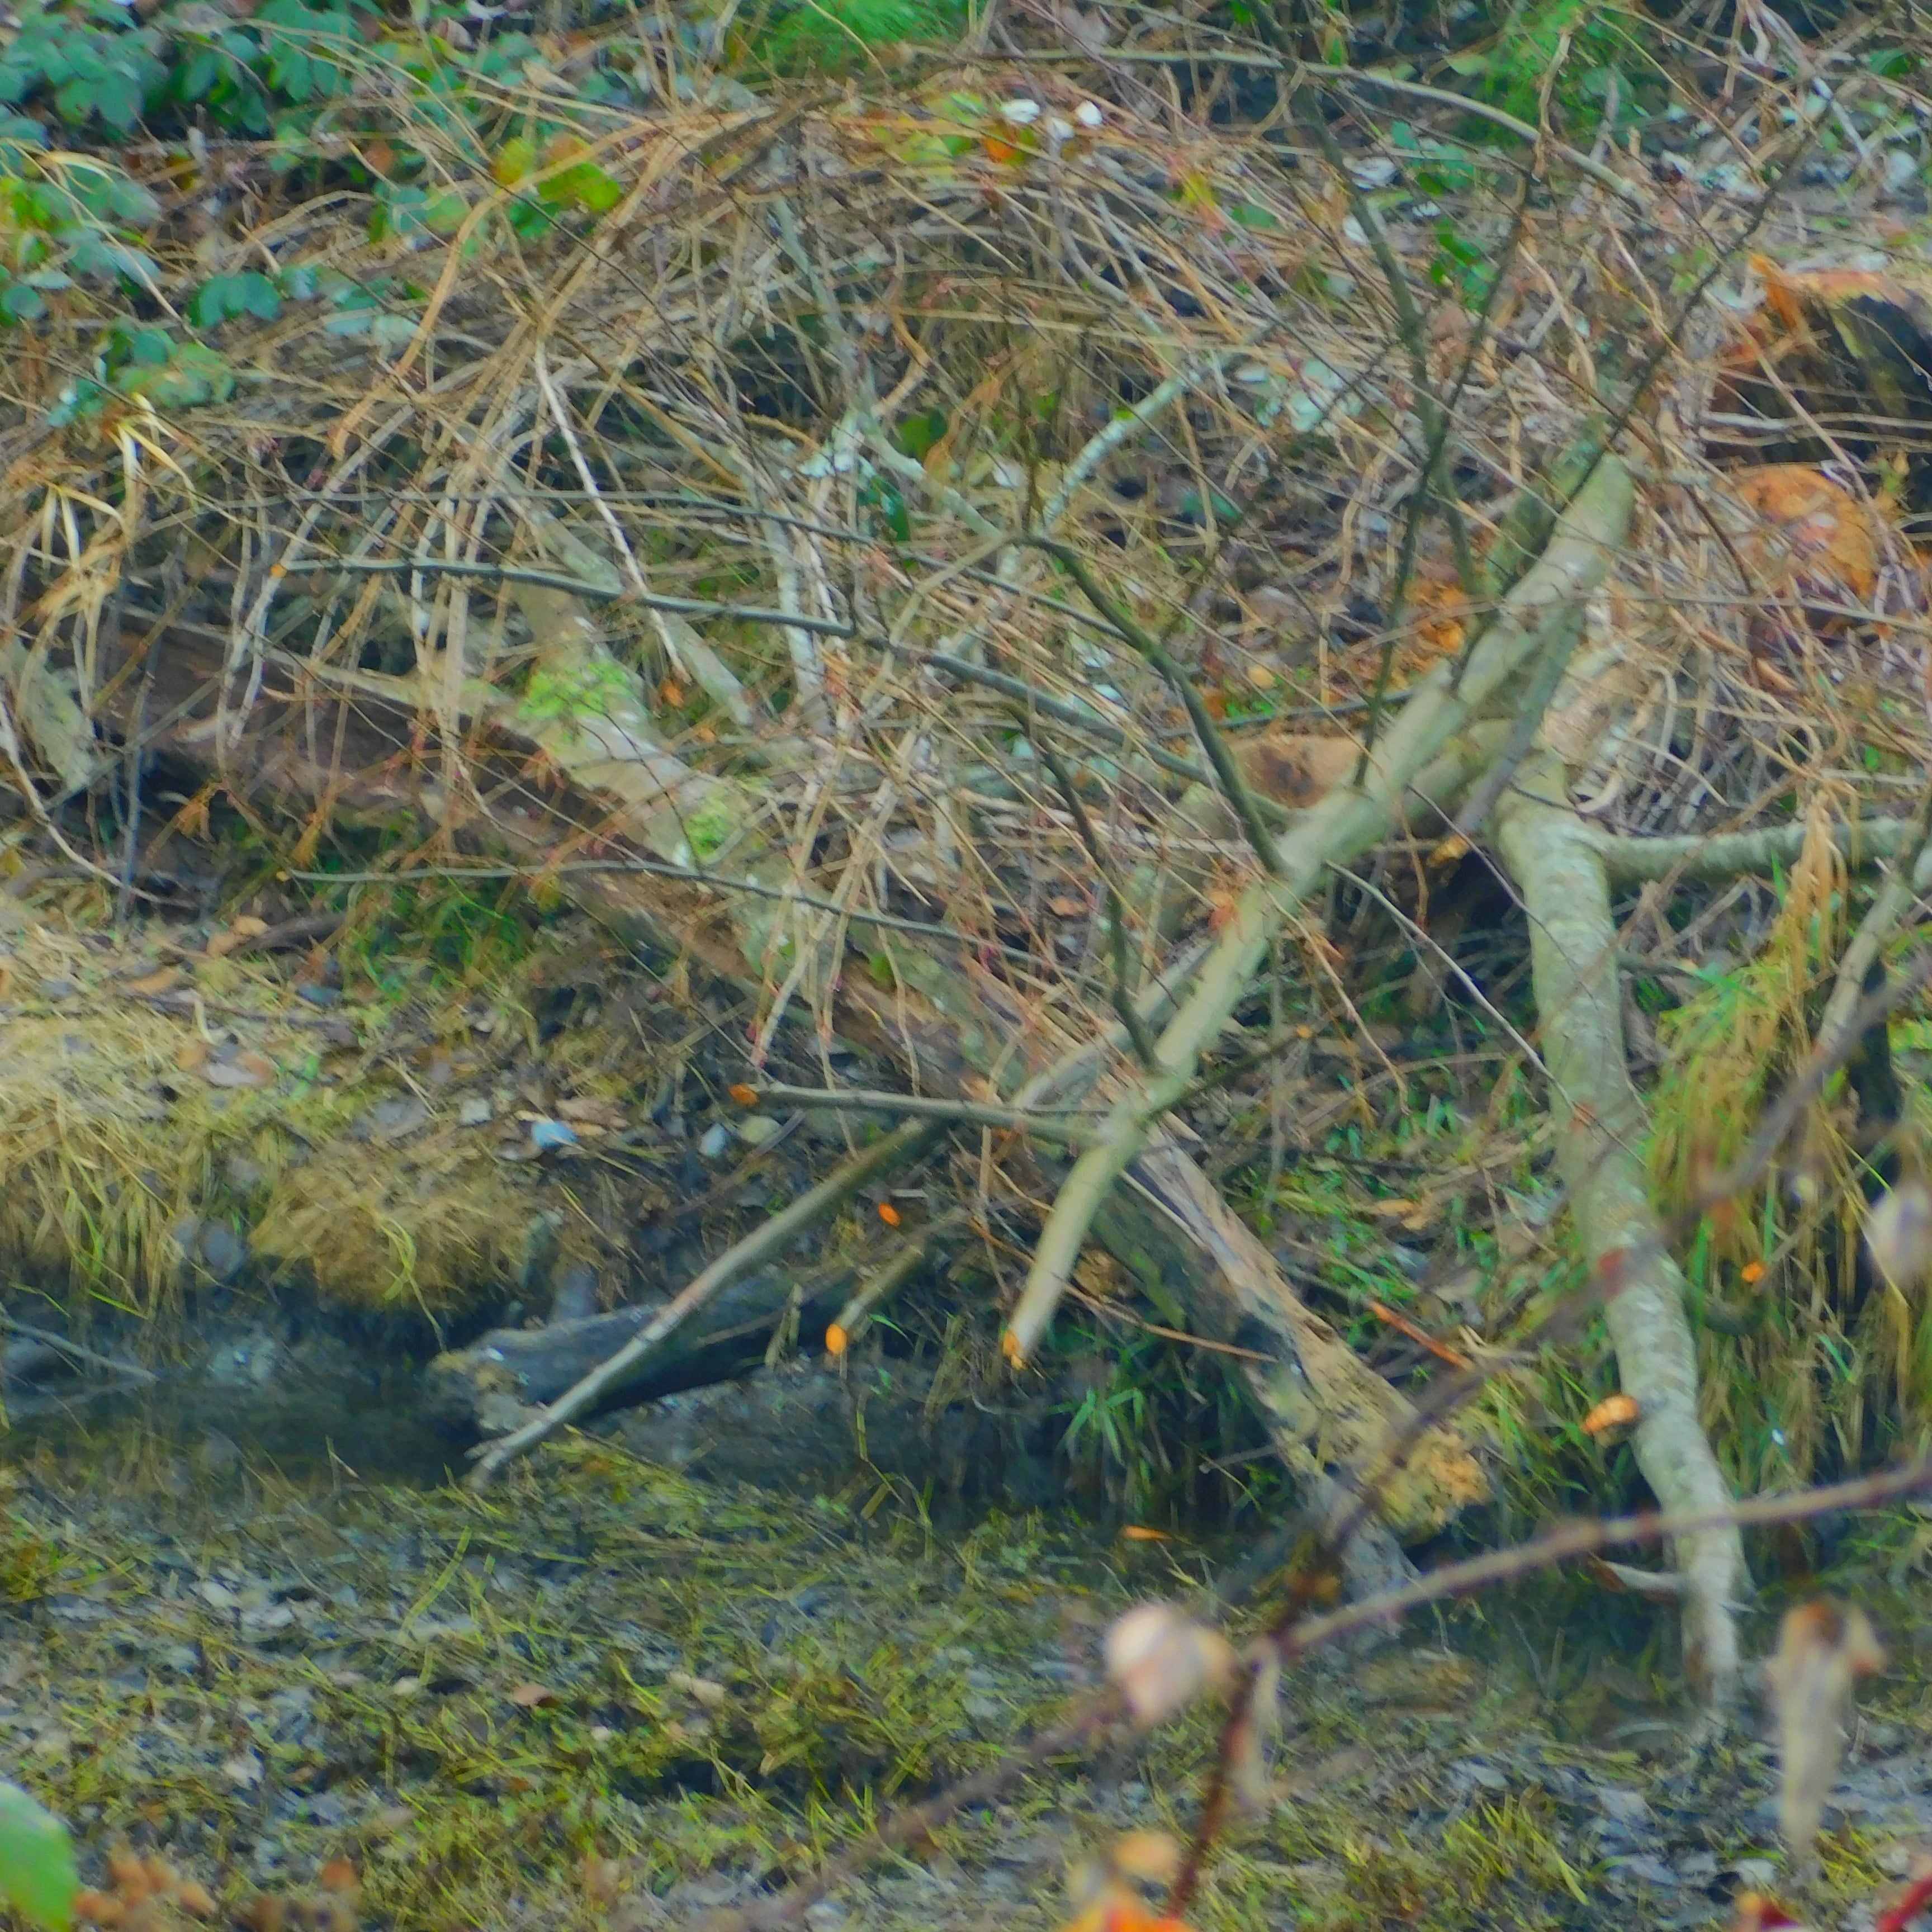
(325, 1433)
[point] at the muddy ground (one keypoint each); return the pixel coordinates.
(612, 1692)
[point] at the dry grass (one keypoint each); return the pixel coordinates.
(119, 1147)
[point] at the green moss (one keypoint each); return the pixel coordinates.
(712, 825)
(595, 688)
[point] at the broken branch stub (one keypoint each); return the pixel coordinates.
(1351, 818)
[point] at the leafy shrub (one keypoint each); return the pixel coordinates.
(93, 65)
(838, 36)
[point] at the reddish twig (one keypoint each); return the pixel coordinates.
(1420, 1336)
(1917, 1898)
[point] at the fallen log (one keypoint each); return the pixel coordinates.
(499, 1380)
(1601, 1123)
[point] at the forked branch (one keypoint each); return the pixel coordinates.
(1350, 819)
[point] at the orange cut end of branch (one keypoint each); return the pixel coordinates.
(890, 1214)
(1752, 1271)
(836, 1340)
(745, 1096)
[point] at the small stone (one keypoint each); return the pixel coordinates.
(1645, 1870)
(321, 996)
(473, 1110)
(756, 1129)
(222, 1252)
(390, 1120)
(1627, 1807)
(58, 989)
(715, 1139)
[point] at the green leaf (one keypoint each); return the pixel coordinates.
(20, 301)
(222, 297)
(918, 433)
(36, 1874)
(194, 373)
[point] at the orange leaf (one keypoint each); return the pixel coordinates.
(1752, 1271)
(1139, 1532)
(1004, 152)
(745, 1096)
(1614, 1411)
(1116, 1909)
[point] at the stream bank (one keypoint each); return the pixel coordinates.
(609, 1694)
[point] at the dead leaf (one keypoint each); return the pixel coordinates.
(339, 1876)
(244, 1070)
(704, 1690)
(150, 984)
(1295, 769)
(1823, 1649)
(1160, 1661)
(529, 1696)
(1247, 1744)
(602, 1878)
(193, 1053)
(1154, 1858)
(592, 1110)
(249, 927)
(1898, 1233)
(1759, 1911)
(1815, 541)
(1109, 1906)
(1614, 1411)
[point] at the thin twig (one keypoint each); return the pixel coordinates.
(1234, 787)
(1585, 1539)
(770, 1237)
(1122, 988)
(920, 1107)
(576, 587)
(662, 868)
(133, 1371)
